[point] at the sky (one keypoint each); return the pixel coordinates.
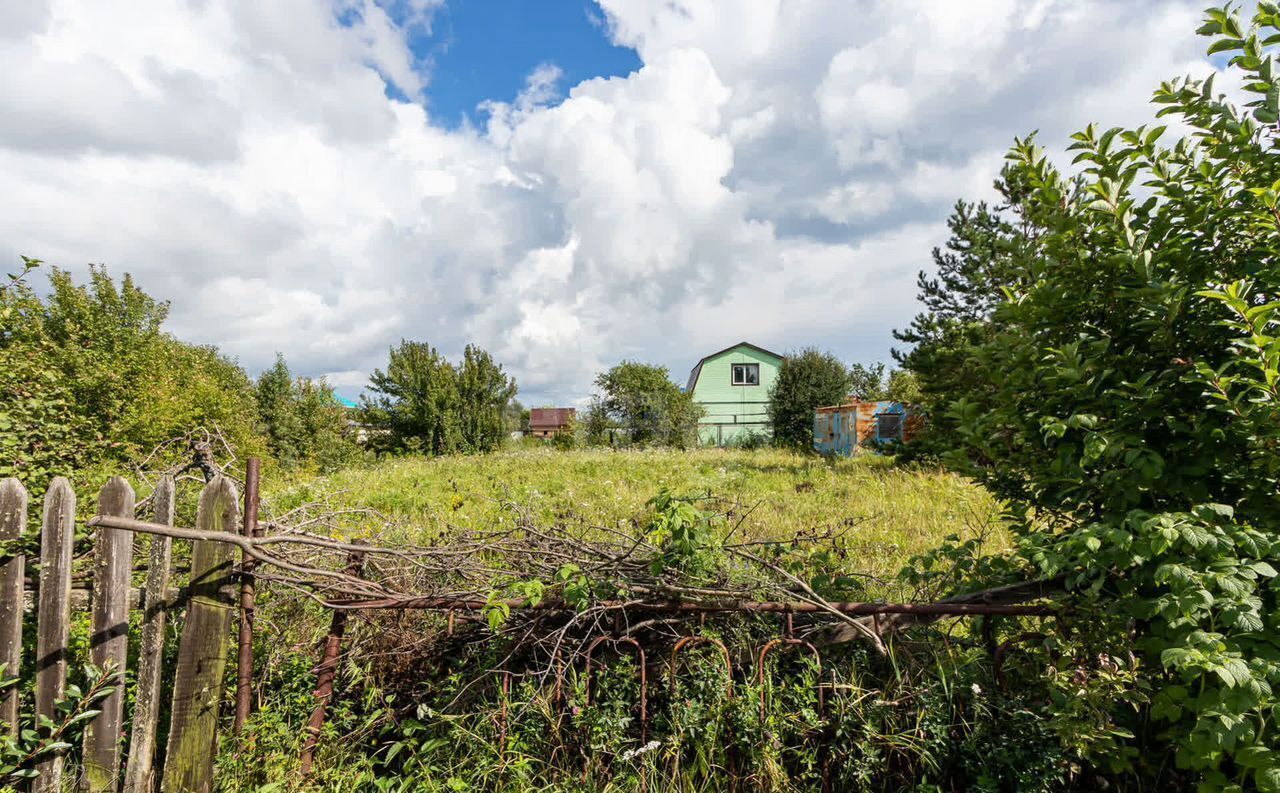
(565, 183)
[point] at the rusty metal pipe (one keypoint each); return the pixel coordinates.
(694, 641)
(764, 652)
(774, 607)
(503, 695)
(644, 688)
(640, 664)
(326, 671)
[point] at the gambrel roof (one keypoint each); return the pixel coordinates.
(697, 369)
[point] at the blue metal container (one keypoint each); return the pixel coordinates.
(840, 429)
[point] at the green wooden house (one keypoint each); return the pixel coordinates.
(732, 386)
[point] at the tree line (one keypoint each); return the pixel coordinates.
(91, 378)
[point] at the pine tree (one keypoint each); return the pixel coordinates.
(986, 253)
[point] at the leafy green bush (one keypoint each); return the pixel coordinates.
(37, 737)
(638, 404)
(89, 377)
(302, 420)
(806, 380)
(424, 404)
(419, 708)
(1134, 424)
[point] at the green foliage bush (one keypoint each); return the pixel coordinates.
(303, 422)
(424, 404)
(36, 738)
(89, 377)
(866, 381)
(806, 380)
(419, 709)
(933, 717)
(638, 404)
(1123, 396)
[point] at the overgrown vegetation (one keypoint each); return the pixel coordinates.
(37, 738)
(886, 513)
(1101, 350)
(637, 404)
(1123, 395)
(419, 709)
(303, 421)
(806, 380)
(424, 404)
(88, 377)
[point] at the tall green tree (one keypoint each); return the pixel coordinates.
(903, 386)
(274, 394)
(41, 431)
(516, 417)
(423, 403)
(302, 420)
(484, 393)
(806, 380)
(1135, 424)
(866, 381)
(414, 407)
(642, 402)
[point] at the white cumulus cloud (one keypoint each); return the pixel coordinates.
(775, 171)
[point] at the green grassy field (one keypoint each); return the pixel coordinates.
(886, 512)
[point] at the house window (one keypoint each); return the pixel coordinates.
(746, 374)
(889, 426)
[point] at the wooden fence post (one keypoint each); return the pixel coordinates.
(109, 640)
(146, 712)
(57, 536)
(202, 653)
(326, 671)
(244, 661)
(13, 523)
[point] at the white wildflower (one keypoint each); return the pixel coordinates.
(648, 747)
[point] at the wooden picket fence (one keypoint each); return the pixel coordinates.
(202, 655)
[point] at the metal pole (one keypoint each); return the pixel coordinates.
(326, 671)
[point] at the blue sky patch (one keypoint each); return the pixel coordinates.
(484, 49)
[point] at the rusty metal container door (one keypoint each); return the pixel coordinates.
(824, 431)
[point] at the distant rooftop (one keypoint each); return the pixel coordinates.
(346, 403)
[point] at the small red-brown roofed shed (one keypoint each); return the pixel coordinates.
(545, 422)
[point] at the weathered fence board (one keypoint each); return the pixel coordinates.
(146, 712)
(202, 654)
(109, 640)
(13, 523)
(244, 661)
(57, 536)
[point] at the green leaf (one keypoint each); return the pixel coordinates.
(1225, 45)
(1268, 779)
